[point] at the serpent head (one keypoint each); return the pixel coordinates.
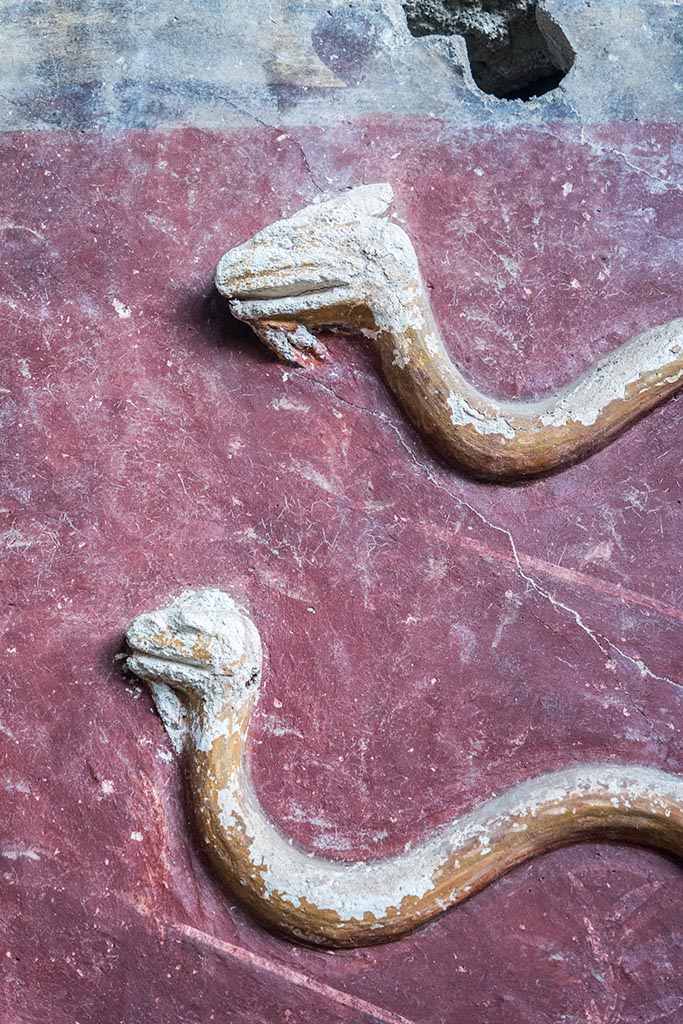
(337, 263)
(200, 644)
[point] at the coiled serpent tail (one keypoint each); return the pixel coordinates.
(338, 264)
(204, 653)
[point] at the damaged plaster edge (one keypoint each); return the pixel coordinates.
(609, 379)
(171, 711)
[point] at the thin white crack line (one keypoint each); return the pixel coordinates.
(598, 149)
(604, 644)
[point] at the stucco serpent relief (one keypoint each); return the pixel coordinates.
(341, 265)
(202, 657)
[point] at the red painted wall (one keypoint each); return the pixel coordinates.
(429, 640)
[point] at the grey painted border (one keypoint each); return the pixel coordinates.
(93, 64)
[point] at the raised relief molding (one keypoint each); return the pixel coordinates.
(341, 265)
(202, 654)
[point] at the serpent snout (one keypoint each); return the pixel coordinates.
(159, 653)
(249, 273)
(194, 644)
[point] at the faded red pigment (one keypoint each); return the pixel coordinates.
(429, 640)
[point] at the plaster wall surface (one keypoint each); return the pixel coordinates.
(429, 640)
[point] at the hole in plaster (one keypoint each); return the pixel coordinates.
(516, 51)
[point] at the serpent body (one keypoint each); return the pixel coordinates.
(206, 650)
(339, 264)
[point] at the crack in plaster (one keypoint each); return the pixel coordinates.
(597, 149)
(286, 132)
(604, 644)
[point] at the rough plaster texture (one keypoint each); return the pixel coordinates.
(428, 640)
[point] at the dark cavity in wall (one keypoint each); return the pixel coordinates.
(516, 50)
